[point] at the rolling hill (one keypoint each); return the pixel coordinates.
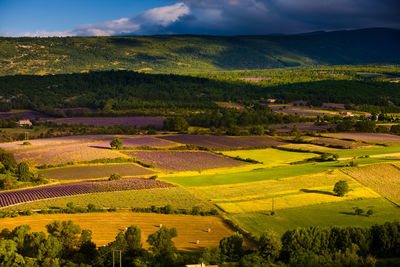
(189, 53)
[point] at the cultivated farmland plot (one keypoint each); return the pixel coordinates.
(95, 171)
(388, 139)
(287, 193)
(189, 228)
(146, 141)
(101, 121)
(335, 142)
(64, 153)
(270, 157)
(177, 197)
(212, 141)
(383, 178)
(27, 195)
(26, 114)
(183, 160)
(75, 148)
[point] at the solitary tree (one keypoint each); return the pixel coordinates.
(117, 143)
(341, 188)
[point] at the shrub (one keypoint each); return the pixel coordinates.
(370, 213)
(358, 211)
(114, 176)
(117, 143)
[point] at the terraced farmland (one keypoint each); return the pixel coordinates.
(212, 141)
(183, 161)
(95, 171)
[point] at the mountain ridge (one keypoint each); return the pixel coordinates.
(197, 53)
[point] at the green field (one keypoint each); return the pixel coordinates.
(271, 157)
(329, 214)
(255, 175)
(359, 152)
(298, 191)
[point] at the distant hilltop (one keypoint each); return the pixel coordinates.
(191, 53)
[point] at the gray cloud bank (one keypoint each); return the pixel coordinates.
(245, 17)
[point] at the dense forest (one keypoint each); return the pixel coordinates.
(118, 92)
(189, 54)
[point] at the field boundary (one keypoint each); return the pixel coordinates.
(363, 184)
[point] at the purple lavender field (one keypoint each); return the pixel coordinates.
(111, 121)
(27, 115)
(183, 161)
(212, 141)
(27, 195)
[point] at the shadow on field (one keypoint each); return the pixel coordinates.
(100, 147)
(347, 213)
(317, 192)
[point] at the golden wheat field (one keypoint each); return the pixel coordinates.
(105, 226)
(383, 178)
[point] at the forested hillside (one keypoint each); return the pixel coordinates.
(127, 90)
(188, 54)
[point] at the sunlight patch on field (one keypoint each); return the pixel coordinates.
(322, 215)
(310, 189)
(300, 199)
(271, 157)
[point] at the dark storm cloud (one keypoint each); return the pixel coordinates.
(240, 17)
(286, 16)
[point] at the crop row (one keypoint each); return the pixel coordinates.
(27, 195)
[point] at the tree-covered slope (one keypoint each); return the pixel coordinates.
(184, 54)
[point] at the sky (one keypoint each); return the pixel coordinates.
(44, 18)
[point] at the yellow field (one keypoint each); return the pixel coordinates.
(271, 157)
(314, 196)
(383, 178)
(287, 193)
(105, 226)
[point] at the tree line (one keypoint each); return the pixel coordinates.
(66, 244)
